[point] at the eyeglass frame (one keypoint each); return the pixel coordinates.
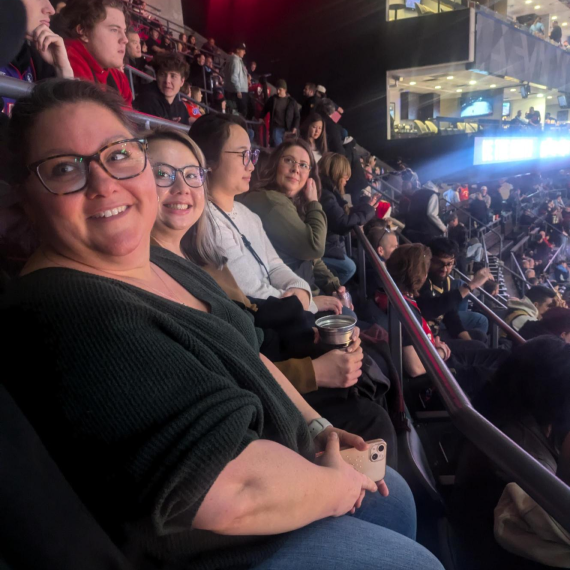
(309, 166)
(443, 264)
(35, 166)
(181, 170)
(252, 153)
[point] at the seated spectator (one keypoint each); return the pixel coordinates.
(473, 363)
(556, 321)
(98, 45)
(43, 52)
(310, 100)
(287, 201)
(263, 274)
(134, 58)
(182, 45)
(561, 271)
(457, 232)
(334, 171)
(289, 339)
(313, 131)
(197, 75)
(478, 209)
(443, 300)
(542, 248)
(161, 98)
(491, 287)
(194, 109)
(210, 48)
(422, 218)
(235, 79)
(528, 401)
(155, 402)
(325, 108)
(283, 114)
(253, 71)
(153, 44)
(531, 307)
(168, 43)
(383, 240)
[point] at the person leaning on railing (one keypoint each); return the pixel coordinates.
(97, 47)
(146, 384)
(43, 53)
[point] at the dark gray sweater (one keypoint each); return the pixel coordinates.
(142, 401)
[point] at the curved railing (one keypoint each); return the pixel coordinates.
(543, 486)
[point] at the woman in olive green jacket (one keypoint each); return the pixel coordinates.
(287, 201)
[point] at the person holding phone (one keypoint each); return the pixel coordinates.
(147, 386)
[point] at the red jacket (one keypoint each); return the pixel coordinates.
(85, 66)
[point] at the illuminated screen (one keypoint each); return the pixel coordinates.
(477, 108)
(506, 109)
(516, 149)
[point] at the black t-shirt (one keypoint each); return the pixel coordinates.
(150, 43)
(279, 111)
(153, 102)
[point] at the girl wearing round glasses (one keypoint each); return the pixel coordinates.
(287, 201)
(146, 385)
(254, 263)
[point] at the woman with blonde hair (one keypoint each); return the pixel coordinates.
(334, 171)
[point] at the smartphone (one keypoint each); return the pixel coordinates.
(371, 462)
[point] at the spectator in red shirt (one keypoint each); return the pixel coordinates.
(464, 193)
(99, 37)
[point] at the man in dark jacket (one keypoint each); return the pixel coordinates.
(478, 209)
(310, 101)
(325, 108)
(442, 299)
(283, 114)
(422, 219)
(161, 98)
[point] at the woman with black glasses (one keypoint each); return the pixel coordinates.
(257, 268)
(146, 384)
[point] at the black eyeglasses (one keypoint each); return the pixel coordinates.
(446, 264)
(68, 173)
(165, 175)
(247, 155)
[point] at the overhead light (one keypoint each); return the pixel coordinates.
(537, 7)
(472, 82)
(449, 77)
(459, 90)
(513, 89)
(412, 82)
(528, 2)
(554, 17)
(540, 95)
(438, 87)
(564, 23)
(493, 85)
(549, 97)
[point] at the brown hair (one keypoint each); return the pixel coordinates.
(86, 14)
(170, 62)
(199, 242)
(336, 167)
(321, 142)
(268, 176)
(408, 266)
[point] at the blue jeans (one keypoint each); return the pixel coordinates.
(344, 269)
(277, 135)
(381, 535)
(474, 321)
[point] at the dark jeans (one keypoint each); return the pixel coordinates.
(474, 363)
(241, 104)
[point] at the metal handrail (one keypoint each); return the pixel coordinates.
(555, 256)
(482, 291)
(543, 486)
(521, 275)
(16, 89)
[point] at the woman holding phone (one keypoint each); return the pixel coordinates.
(146, 384)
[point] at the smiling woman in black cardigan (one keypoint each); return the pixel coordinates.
(145, 382)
